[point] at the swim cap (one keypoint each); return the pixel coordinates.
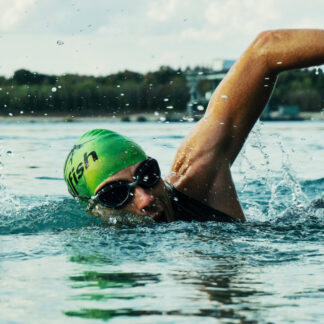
(97, 155)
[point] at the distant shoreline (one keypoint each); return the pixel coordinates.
(144, 117)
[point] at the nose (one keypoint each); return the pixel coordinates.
(142, 198)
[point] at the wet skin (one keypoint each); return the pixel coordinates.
(153, 202)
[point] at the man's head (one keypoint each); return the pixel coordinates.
(97, 155)
(104, 163)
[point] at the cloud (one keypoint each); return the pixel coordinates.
(13, 12)
(203, 34)
(138, 35)
(241, 15)
(220, 20)
(161, 11)
(308, 23)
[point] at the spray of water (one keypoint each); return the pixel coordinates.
(280, 189)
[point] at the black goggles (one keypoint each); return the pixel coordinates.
(118, 193)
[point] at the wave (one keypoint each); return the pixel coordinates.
(49, 216)
(69, 214)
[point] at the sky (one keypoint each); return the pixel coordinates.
(99, 37)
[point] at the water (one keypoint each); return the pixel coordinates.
(59, 264)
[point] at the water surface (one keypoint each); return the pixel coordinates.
(59, 264)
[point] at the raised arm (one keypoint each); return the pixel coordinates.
(249, 83)
(215, 141)
(241, 97)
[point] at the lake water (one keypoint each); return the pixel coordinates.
(59, 265)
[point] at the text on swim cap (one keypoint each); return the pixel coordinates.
(76, 174)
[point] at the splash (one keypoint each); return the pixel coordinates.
(267, 192)
(8, 202)
(289, 185)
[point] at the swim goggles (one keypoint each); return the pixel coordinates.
(118, 193)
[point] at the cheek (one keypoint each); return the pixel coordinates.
(160, 191)
(131, 207)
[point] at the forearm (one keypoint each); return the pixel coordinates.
(291, 48)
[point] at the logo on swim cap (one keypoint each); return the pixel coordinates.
(97, 155)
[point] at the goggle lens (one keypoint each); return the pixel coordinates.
(114, 196)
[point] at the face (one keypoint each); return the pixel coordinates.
(153, 202)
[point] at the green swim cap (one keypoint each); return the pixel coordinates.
(97, 155)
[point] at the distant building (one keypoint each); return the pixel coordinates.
(222, 65)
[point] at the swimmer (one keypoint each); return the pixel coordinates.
(115, 174)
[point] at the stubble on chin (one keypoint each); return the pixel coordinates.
(119, 216)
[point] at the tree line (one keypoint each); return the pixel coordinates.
(129, 92)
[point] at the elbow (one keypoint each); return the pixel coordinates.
(263, 44)
(265, 47)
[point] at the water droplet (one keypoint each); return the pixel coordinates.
(221, 123)
(60, 42)
(118, 86)
(21, 112)
(279, 62)
(54, 89)
(9, 153)
(169, 107)
(10, 114)
(175, 199)
(190, 119)
(162, 119)
(166, 99)
(200, 73)
(45, 114)
(127, 104)
(200, 108)
(122, 94)
(156, 113)
(59, 87)
(0, 89)
(224, 96)
(5, 106)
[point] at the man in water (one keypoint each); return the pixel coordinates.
(115, 173)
